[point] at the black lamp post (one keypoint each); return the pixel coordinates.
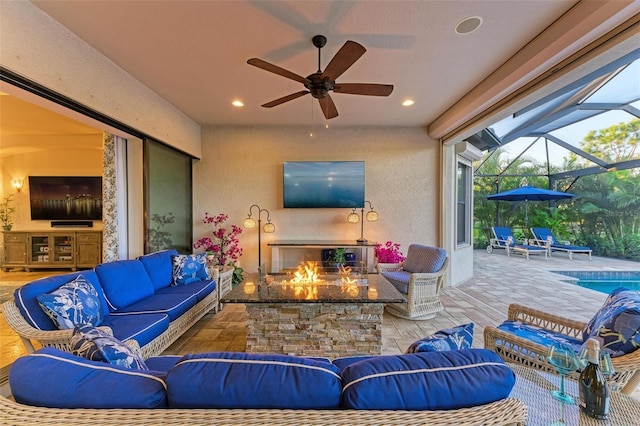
(268, 228)
(372, 216)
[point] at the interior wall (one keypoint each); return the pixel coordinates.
(55, 161)
(242, 166)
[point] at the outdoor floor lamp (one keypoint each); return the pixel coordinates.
(268, 228)
(372, 216)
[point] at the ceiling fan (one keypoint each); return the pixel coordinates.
(320, 83)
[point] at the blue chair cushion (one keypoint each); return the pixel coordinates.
(544, 234)
(124, 282)
(159, 267)
(56, 379)
(344, 362)
(73, 303)
(424, 259)
(539, 335)
(570, 247)
(426, 381)
(460, 337)
(142, 328)
(242, 380)
(173, 305)
(97, 345)
(200, 289)
(399, 279)
(188, 268)
(26, 297)
(617, 323)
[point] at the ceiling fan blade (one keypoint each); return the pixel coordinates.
(348, 54)
(285, 99)
(276, 70)
(364, 89)
(328, 107)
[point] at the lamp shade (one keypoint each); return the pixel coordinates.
(372, 216)
(269, 228)
(249, 223)
(353, 218)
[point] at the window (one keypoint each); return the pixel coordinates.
(464, 190)
(168, 211)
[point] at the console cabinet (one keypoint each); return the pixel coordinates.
(52, 249)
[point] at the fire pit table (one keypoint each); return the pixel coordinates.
(330, 314)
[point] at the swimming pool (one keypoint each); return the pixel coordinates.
(604, 281)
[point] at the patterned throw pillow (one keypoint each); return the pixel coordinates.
(460, 337)
(98, 345)
(73, 303)
(617, 324)
(189, 268)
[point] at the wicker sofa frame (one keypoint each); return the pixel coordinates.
(514, 349)
(423, 296)
(61, 339)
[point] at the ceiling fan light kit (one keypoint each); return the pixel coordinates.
(320, 83)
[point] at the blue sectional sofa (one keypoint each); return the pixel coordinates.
(137, 301)
(468, 386)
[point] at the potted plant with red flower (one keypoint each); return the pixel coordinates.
(223, 246)
(388, 257)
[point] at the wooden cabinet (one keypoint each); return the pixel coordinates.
(52, 249)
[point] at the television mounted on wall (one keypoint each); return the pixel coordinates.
(65, 197)
(323, 184)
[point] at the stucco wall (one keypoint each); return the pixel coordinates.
(242, 166)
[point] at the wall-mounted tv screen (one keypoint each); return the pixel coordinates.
(65, 197)
(323, 184)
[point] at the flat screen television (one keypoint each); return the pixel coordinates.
(323, 184)
(65, 197)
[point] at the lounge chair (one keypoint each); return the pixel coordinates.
(528, 333)
(503, 238)
(544, 237)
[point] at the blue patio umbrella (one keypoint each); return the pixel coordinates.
(529, 193)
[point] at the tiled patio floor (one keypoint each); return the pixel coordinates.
(498, 281)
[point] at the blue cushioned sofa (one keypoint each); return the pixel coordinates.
(137, 301)
(469, 386)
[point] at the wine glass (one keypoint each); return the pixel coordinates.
(564, 359)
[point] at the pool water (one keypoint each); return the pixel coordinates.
(604, 281)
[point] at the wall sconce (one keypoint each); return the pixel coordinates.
(371, 216)
(268, 228)
(17, 183)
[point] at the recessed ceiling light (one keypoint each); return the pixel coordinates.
(407, 102)
(237, 103)
(468, 25)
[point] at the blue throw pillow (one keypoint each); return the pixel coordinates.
(460, 337)
(617, 324)
(73, 303)
(98, 345)
(189, 268)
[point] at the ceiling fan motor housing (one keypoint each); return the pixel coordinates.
(318, 86)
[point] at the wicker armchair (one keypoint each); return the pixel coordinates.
(515, 349)
(423, 288)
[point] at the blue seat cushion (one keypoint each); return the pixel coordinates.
(200, 289)
(539, 335)
(399, 279)
(242, 380)
(569, 247)
(427, 381)
(173, 305)
(26, 297)
(56, 379)
(143, 328)
(460, 337)
(73, 303)
(345, 361)
(162, 363)
(189, 268)
(124, 282)
(617, 323)
(424, 259)
(159, 267)
(98, 345)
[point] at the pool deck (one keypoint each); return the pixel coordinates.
(483, 299)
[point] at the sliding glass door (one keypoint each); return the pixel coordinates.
(168, 201)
